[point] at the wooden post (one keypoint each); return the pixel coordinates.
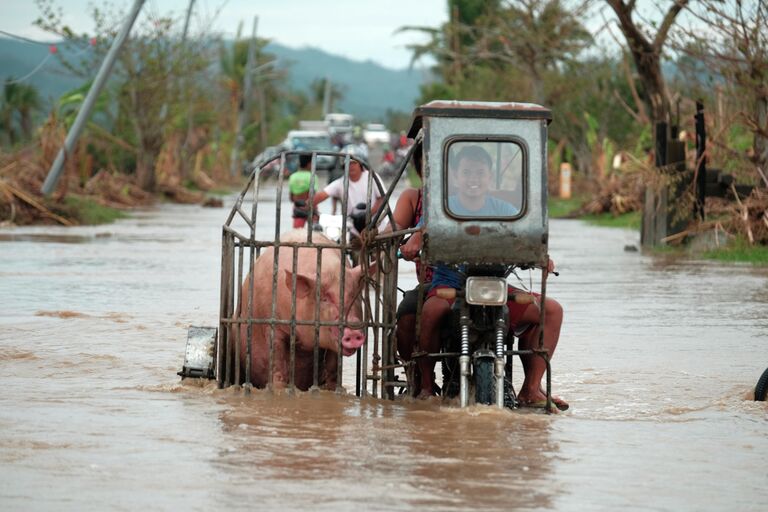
(565, 180)
(701, 161)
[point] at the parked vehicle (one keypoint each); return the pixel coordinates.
(341, 124)
(312, 140)
(375, 133)
(267, 161)
(313, 125)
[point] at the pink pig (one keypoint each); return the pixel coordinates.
(306, 280)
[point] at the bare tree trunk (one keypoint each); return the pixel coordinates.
(647, 54)
(761, 141)
(145, 170)
(26, 123)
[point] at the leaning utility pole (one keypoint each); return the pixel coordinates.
(327, 97)
(90, 100)
(234, 162)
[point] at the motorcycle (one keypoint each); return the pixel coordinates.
(477, 341)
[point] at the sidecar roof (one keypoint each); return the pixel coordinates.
(475, 109)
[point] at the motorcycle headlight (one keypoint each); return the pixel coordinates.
(486, 291)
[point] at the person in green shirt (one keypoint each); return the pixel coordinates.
(299, 186)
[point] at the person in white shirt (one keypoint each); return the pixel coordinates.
(357, 193)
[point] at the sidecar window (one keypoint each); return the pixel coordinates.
(485, 179)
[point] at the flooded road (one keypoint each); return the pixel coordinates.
(658, 359)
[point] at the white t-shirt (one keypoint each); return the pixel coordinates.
(358, 191)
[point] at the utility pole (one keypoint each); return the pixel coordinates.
(90, 100)
(234, 163)
(262, 115)
(186, 20)
(327, 97)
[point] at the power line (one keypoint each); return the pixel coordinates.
(89, 42)
(37, 68)
(22, 38)
(52, 50)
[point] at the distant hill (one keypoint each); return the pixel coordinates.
(17, 59)
(369, 89)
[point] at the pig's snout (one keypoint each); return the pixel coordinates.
(352, 340)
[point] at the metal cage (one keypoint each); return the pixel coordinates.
(257, 223)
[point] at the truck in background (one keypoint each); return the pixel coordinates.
(340, 124)
(314, 125)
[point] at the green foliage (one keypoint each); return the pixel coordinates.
(435, 91)
(740, 138)
(17, 104)
(629, 220)
(562, 208)
(87, 211)
(397, 121)
(739, 250)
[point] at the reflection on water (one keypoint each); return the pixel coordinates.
(658, 359)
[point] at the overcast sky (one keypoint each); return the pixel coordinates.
(358, 29)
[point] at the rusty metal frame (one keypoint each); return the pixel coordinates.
(244, 239)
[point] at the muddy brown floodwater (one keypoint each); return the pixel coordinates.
(658, 359)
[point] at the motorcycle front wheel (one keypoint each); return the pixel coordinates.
(485, 381)
(761, 389)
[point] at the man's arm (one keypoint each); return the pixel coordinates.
(411, 249)
(319, 198)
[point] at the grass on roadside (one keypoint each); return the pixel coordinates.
(561, 208)
(630, 220)
(87, 211)
(568, 208)
(739, 250)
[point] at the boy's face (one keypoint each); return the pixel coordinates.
(473, 178)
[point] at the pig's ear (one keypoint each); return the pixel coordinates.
(357, 272)
(304, 284)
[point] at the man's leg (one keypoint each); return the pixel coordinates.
(432, 314)
(406, 332)
(533, 365)
(406, 335)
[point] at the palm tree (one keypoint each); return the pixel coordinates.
(22, 99)
(27, 100)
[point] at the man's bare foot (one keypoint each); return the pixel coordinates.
(424, 395)
(539, 400)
